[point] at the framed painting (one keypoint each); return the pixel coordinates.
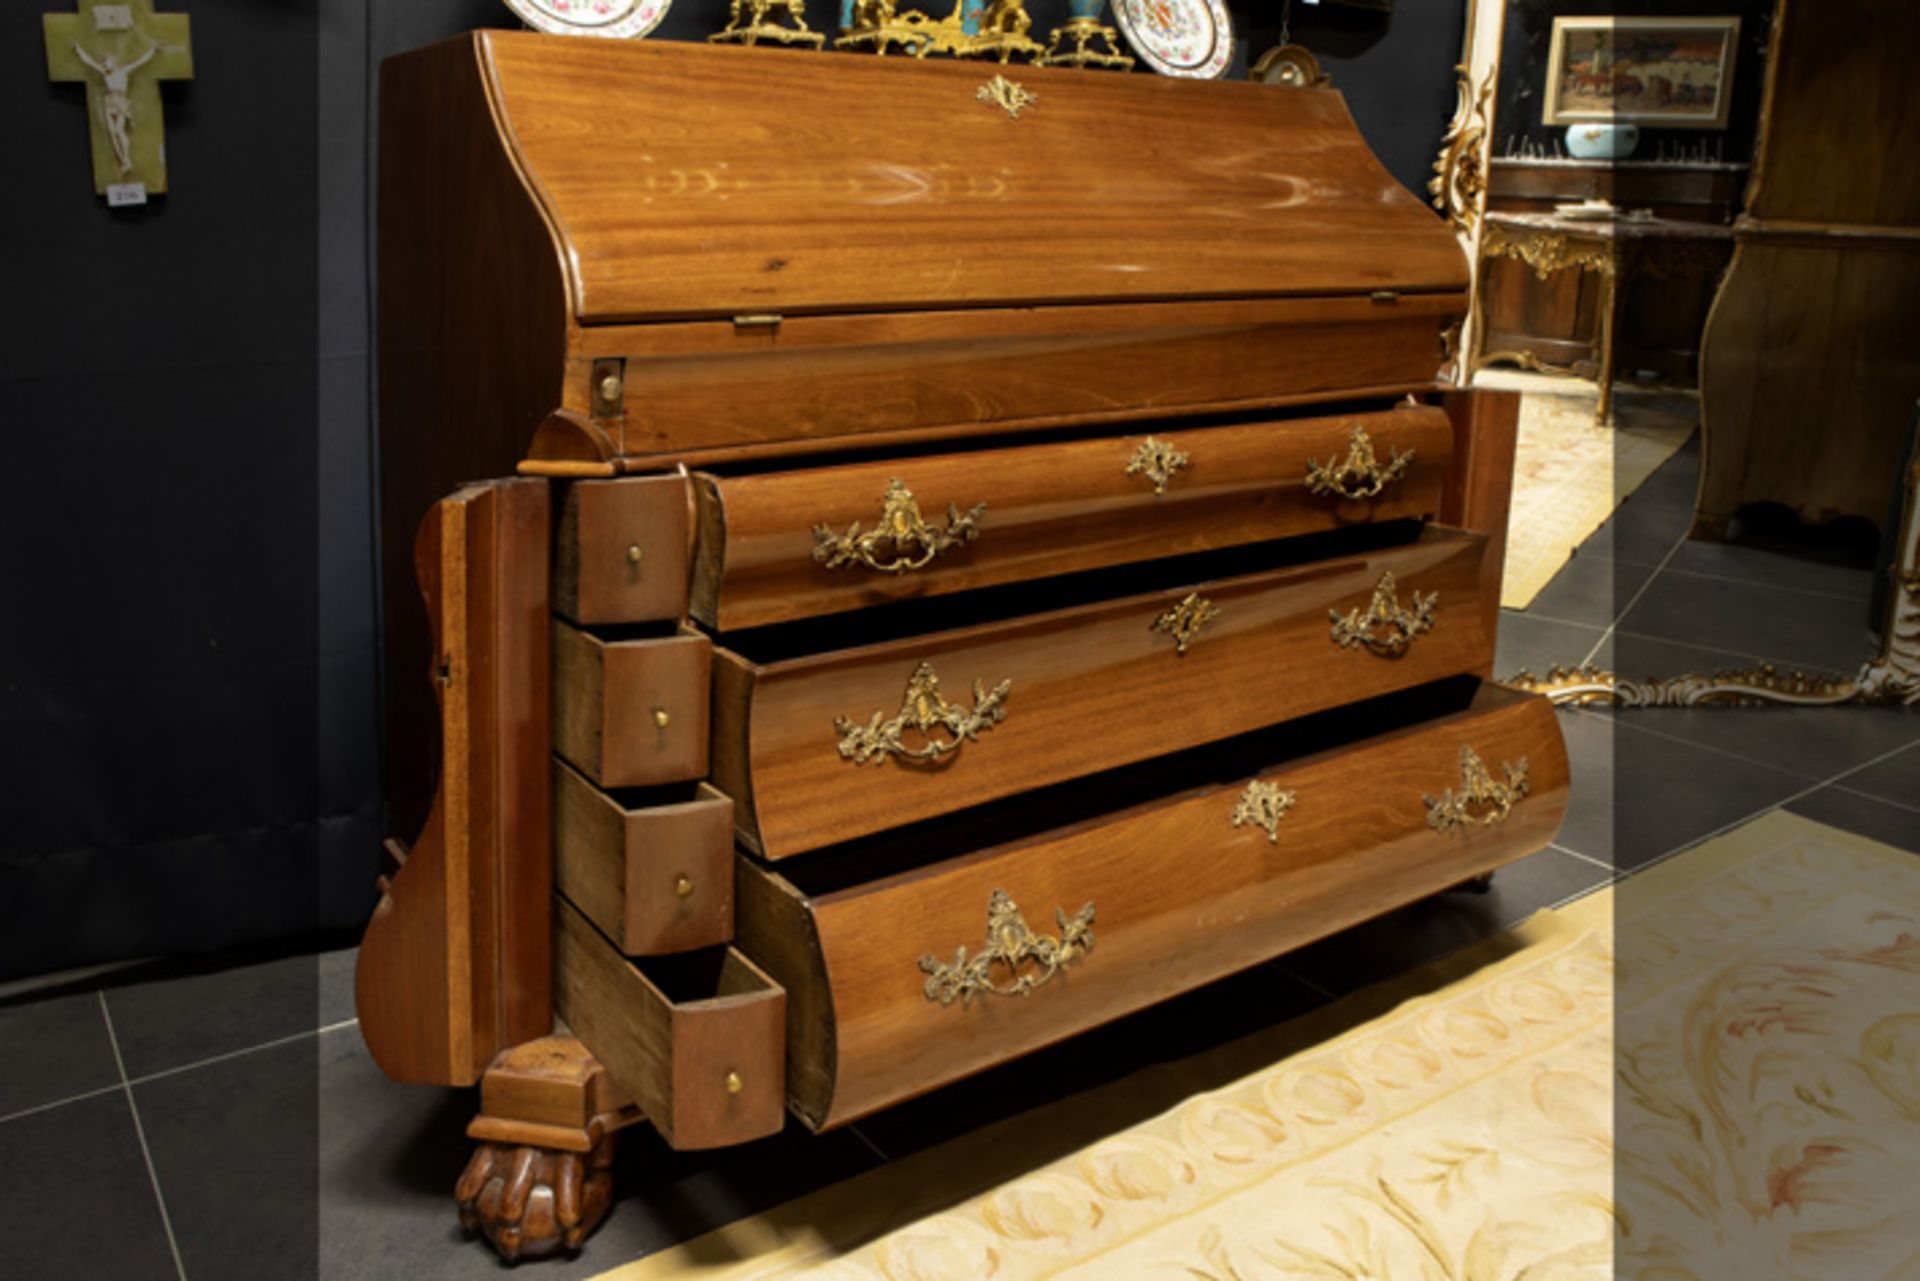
(1668, 72)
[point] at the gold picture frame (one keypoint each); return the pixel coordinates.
(1673, 73)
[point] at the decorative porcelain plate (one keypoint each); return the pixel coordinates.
(616, 19)
(1191, 38)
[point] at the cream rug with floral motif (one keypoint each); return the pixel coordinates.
(1570, 474)
(1724, 1081)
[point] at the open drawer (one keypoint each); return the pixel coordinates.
(905, 982)
(821, 747)
(774, 546)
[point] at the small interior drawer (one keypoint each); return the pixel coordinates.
(699, 1042)
(656, 876)
(620, 552)
(631, 713)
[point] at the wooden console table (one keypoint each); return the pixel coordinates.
(1614, 250)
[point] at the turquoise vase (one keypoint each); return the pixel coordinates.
(1085, 9)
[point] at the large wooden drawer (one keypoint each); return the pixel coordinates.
(1135, 906)
(784, 545)
(820, 748)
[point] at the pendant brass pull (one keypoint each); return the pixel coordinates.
(1157, 460)
(1383, 626)
(1184, 621)
(1481, 799)
(923, 710)
(902, 531)
(1359, 474)
(1010, 944)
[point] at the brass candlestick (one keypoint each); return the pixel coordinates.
(1080, 31)
(751, 21)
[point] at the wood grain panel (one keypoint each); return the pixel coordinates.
(656, 878)
(455, 963)
(1180, 896)
(1050, 509)
(706, 1069)
(1092, 687)
(816, 378)
(620, 553)
(698, 180)
(631, 713)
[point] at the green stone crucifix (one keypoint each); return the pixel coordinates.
(122, 51)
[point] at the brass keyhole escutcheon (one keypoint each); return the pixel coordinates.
(734, 1083)
(633, 553)
(661, 718)
(683, 886)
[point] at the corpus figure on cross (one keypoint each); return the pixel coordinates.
(115, 106)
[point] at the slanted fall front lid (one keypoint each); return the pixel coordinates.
(683, 180)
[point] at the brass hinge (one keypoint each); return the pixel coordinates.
(758, 320)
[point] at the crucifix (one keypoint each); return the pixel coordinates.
(121, 51)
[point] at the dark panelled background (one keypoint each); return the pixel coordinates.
(189, 711)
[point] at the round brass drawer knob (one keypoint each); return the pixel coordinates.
(660, 717)
(734, 1083)
(683, 886)
(633, 553)
(610, 389)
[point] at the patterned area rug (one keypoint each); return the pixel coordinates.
(1735, 1093)
(1569, 474)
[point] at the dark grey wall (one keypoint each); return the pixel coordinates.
(189, 724)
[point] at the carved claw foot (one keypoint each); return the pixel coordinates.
(529, 1201)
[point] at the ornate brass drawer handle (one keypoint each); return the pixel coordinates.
(1359, 474)
(1384, 626)
(1264, 805)
(1010, 944)
(905, 533)
(1480, 798)
(924, 709)
(1157, 460)
(1184, 621)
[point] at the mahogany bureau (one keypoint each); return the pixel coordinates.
(906, 580)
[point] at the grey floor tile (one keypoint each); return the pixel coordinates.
(79, 1203)
(1861, 815)
(1669, 794)
(1588, 826)
(1537, 644)
(1813, 742)
(1793, 629)
(1591, 590)
(1650, 520)
(174, 1015)
(390, 1155)
(1641, 657)
(53, 1048)
(336, 985)
(1412, 935)
(1894, 779)
(1771, 569)
(234, 1148)
(1187, 1025)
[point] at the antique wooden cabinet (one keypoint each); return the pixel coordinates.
(913, 570)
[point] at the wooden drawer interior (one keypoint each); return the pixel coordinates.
(620, 550)
(773, 546)
(631, 713)
(698, 1041)
(655, 871)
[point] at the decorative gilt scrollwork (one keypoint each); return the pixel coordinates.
(1157, 461)
(1264, 805)
(1359, 474)
(923, 710)
(1547, 251)
(1184, 621)
(1010, 944)
(901, 527)
(1006, 95)
(1459, 174)
(1480, 798)
(1384, 626)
